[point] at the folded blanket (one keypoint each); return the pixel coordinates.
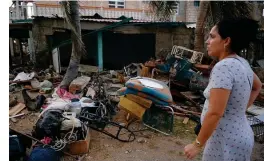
(125, 91)
(150, 87)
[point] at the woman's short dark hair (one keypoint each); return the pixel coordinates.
(241, 31)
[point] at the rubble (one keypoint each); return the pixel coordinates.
(153, 93)
(78, 84)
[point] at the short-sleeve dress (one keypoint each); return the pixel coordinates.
(233, 138)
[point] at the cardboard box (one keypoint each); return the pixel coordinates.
(80, 147)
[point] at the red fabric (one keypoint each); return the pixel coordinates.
(64, 94)
(46, 140)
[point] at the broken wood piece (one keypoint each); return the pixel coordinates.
(175, 107)
(144, 72)
(131, 107)
(128, 116)
(186, 119)
(180, 114)
(13, 120)
(202, 66)
(140, 100)
(13, 116)
(121, 117)
(191, 97)
(16, 109)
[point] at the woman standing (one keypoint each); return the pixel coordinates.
(233, 87)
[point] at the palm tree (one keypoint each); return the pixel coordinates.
(163, 9)
(71, 12)
(209, 13)
(199, 30)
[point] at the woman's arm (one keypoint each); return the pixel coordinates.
(257, 85)
(217, 104)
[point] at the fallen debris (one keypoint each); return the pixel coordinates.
(152, 93)
(78, 84)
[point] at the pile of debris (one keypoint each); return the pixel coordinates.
(187, 78)
(154, 93)
(67, 113)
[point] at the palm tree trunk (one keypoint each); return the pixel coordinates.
(199, 30)
(72, 70)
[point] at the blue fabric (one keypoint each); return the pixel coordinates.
(44, 154)
(135, 92)
(162, 94)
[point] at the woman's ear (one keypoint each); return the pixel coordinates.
(227, 41)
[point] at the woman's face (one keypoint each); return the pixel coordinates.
(215, 44)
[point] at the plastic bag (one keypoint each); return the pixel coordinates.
(49, 125)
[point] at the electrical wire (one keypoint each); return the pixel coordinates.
(60, 144)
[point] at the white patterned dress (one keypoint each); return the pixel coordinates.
(233, 138)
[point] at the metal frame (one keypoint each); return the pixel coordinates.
(178, 51)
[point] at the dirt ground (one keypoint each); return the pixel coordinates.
(149, 145)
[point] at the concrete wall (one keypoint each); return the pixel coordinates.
(181, 15)
(187, 10)
(166, 37)
(191, 12)
(180, 36)
(128, 4)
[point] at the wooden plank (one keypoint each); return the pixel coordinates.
(202, 66)
(140, 100)
(191, 97)
(16, 109)
(131, 107)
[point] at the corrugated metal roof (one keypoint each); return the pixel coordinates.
(131, 21)
(100, 20)
(191, 25)
(114, 20)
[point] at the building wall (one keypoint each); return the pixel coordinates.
(181, 15)
(191, 12)
(187, 10)
(180, 36)
(128, 4)
(138, 5)
(165, 37)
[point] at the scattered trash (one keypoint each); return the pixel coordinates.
(46, 84)
(152, 92)
(24, 76)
